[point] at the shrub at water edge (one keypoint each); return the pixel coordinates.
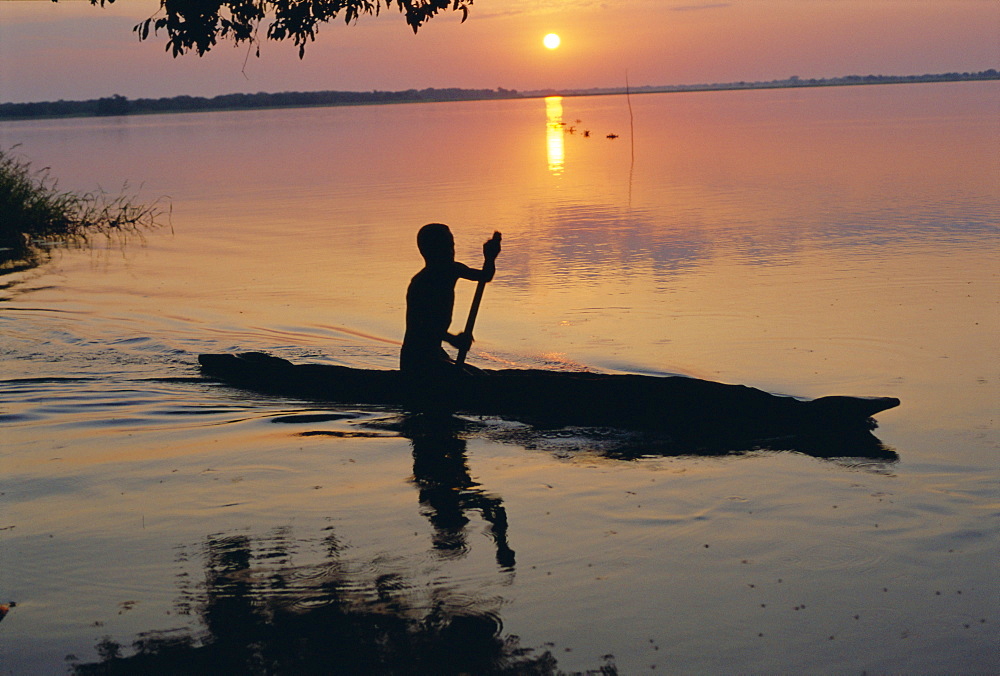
(35, 214)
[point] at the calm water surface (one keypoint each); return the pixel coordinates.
(807, 242)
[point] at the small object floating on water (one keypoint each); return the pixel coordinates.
(5, 608)
(612, 136)
(586, 132)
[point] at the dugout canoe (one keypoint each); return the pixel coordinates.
(675, 405)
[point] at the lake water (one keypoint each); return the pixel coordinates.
(808, 242)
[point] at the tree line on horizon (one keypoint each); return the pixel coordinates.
(793, 81)
(120, 105)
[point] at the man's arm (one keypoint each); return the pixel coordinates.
(459, 341)
(491, 249)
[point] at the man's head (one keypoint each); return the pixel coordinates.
(436, 243)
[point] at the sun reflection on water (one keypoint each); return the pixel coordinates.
(554, 142)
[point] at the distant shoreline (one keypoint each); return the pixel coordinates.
(117, 105)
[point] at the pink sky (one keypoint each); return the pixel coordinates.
(71, 50)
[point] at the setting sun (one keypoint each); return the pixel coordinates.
(551, 41)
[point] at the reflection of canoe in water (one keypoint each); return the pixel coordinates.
(676, 405)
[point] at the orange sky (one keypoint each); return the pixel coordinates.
(72, 50)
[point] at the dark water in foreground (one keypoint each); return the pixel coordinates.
(808, 242)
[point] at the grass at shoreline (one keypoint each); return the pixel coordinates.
(35, 214)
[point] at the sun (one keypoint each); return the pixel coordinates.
(551, 41)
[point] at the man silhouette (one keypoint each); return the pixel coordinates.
(430, 302)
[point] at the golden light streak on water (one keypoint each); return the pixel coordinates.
(555, 144)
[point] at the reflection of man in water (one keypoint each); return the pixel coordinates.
(430, 300)
(448, 491)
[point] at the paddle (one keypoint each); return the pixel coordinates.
(473, 312)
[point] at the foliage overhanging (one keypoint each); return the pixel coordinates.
(199, 24)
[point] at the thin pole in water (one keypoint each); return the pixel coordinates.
(631, 123)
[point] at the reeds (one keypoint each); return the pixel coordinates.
(36, 215)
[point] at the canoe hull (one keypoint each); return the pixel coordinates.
(680, 406)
